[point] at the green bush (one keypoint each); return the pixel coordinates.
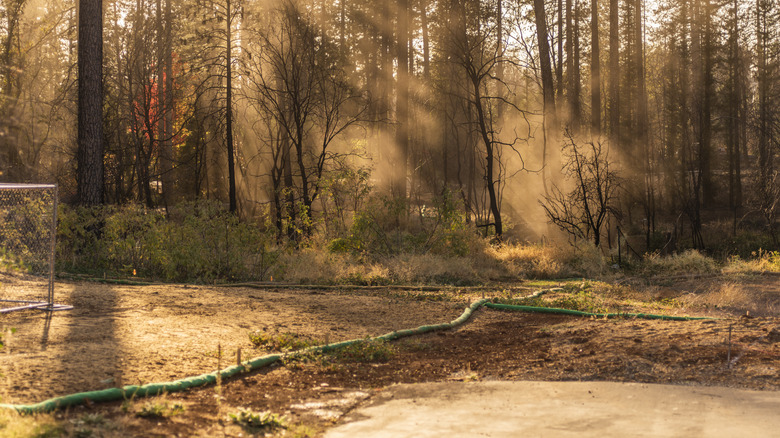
(389, 226)
(196, 242)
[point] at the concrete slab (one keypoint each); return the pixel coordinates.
(562, 409)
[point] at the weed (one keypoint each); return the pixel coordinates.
(415, 345)
(153, 409)
(2, 336)
(280, 341)
(85, 426)
(298, 360)
(48, 430)
(95, 419)
(302, 432)
(367, 350)
(256, 421)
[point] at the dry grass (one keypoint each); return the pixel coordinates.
(762, 261)
(687, 262)
(13, 425)
(508, 262)
(545, 262)
(484, 263)
(733, 298)
(318, 266)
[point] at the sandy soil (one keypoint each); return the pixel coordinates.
(118, 335)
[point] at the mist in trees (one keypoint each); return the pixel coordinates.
(296, 111)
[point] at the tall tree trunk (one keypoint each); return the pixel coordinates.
(642, 122)
(569, 107)
(576, 83)
(402, 102)
(490, 159)
(343, 26)
(426, 43)
(163, 145)
(733, 136)
(614, 71)
(739, 118)
(559, 67)
(595, 72)
(550, 124)
(90, 103)
(705, 142)
(292, 229)
(168, 176)
(500, 55)
(229, 110)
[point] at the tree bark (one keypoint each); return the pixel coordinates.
(595, 72)
(568, 108)
(229, 110)
(550, 124)
(90, 103)
(707, 81)
(402, 102)
(614, 71)
(559, 68)
(576, 83)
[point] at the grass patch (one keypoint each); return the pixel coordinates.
(365, 351)
(279, 342)
(761, 262)
(547, 261)
(687, 262)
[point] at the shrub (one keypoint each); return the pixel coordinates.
(197, 242)
(255, 421)
(389, 226)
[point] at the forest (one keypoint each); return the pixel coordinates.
(387, 126)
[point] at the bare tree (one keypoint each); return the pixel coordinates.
(583, 210)
(298, 86)
(476, 52)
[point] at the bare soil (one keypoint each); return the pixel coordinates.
(118, 335)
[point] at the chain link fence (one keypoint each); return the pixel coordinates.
(28, 229)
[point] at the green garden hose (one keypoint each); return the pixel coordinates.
(152, 389)
(595, 315)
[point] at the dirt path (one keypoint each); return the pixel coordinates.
(118, 335)
(121, 335)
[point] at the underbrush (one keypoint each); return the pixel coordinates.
(203, 243)
(687, 262)
(196, 242)
(388, 243)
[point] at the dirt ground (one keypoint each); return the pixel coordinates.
(118, 335)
